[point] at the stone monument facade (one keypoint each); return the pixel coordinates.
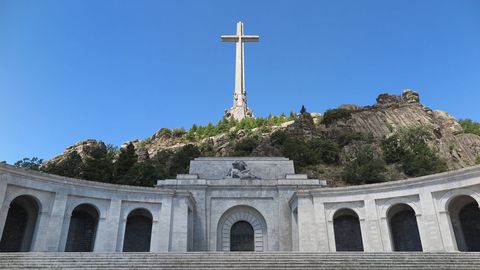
(239, 110)
(239, 204)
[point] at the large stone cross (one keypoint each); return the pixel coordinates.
(239, 110)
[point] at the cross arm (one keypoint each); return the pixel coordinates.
(250, 38)
(236, 38)
(229, 38)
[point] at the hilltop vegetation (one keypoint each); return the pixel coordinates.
(395, 138)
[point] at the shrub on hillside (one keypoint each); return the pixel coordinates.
(347, 138)
(364, 167)
(33, 163)
(470, 126)
(410, 148)
(324, 151)
(178, 132)
(333, 115)
(245, 146)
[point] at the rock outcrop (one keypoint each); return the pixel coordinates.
(389, 114)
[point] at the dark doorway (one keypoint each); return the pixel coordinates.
(348, 235)
(242, 237)
(465, 218)
(82, 229)
(404, 228)
(20, 225)
(138, 231)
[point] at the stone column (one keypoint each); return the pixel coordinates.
(311, 227)
(161, 229)
(4, 206)
(446, 229)
(428, 226)
(284, 219)
(371, 230)
(39, 240)
(55, 230)
(107, 232)
(179, 227)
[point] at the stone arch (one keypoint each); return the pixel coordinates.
(242, 213)
(464, 215)
(403, 226)
(82, 229)
(446, 199)
(138, 231)
(347, 231)
(21, 224)
(410, 201)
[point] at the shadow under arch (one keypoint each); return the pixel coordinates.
(235, 218)
(465, 219)
(20, 224)
(138, 231)
(402, 221)
(347, 231)
(82, 230)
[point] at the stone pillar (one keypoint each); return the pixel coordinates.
(179, 227)
(39, 240)
(371, 230)
(55, 230)
(107, 232)
(312, 235)
(428, 226)
(4, 206)
(446, 229)
(284, 220)
(161, 228)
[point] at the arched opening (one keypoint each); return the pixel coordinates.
(404, 228)
(20, 224)
(82, 229)
(465, 218)
(138, 231)
(244, 225)
(348, 235)
(242, 237)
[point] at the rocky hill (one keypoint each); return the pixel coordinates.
(334, 146)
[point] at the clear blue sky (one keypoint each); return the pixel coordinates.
(120, 70)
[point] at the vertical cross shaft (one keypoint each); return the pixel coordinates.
(239, 110)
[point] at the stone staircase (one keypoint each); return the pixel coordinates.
(240, 260)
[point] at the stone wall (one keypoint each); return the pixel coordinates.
(430, 197)
(290, 213)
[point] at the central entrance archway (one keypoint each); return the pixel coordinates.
(242, 237)
(242, 228)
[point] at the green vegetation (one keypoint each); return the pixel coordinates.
(245, 146)
(347, 138)
(70, 167)
(364, 167)
(470, 126)
(99, 165)
(29, 163)
(306, 152)
(477, 161)
(333, 115)
(410, 148)
(196, 132)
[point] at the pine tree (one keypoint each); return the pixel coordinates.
(126, 160)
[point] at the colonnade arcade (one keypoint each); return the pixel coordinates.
(243, 228)
(21, 227)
